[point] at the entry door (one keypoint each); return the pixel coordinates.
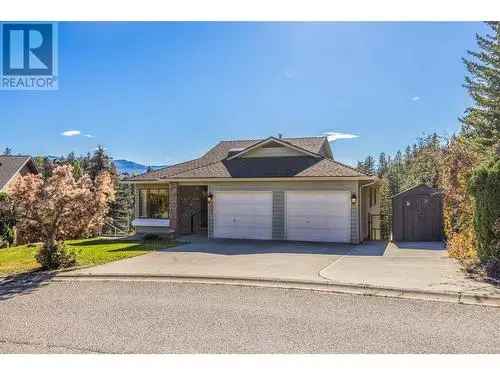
(243, 214)
(322, 216)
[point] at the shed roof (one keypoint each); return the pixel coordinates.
(420, 188)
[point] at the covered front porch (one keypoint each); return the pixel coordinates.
(170, 209)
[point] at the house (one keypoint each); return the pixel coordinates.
(272, 189)
(12, 166)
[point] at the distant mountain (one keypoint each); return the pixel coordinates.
(130, 167)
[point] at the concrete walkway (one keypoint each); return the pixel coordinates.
(374, 266)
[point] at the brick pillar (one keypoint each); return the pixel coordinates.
(174, 205)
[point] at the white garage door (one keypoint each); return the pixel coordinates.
(322, 216)
(243, 214)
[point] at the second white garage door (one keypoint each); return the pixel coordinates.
(243, 214)
(322, 216)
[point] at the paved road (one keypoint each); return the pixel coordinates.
(162, 317)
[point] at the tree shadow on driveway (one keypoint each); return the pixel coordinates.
(435, 245)
(23, 283)
(249, 247)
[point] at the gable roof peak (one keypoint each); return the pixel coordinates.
(271, 139)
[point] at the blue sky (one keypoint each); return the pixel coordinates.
(160, 93)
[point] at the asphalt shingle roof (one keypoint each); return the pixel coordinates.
(9, 165)
(214, 164)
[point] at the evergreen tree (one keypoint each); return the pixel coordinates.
(481, 121)
(407, 154)
(414, 150)
(121, 210)
(85, 162)
(71, 157)
(383, 165)
(367, 166)
(45, 166)
(100, 162)
(75, 163)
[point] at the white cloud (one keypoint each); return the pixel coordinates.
(333, 136)
(415, 98)
(71, 133)
(88, 135)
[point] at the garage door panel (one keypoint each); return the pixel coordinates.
(328, 221)
(322, 216)
(233, 220)
(312, 225)
(318, 236)
(242, 232)
(243, 215)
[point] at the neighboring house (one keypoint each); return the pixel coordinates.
(13, 166)
(279, 189)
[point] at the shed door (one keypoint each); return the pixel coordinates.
(322, 216)
(243, 214)
(421, 218)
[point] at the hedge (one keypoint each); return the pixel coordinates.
(485, 189)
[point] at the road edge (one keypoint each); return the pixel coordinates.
(342, 288)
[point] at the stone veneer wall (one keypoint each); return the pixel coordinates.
(174, 205)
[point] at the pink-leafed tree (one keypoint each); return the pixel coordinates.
(59, 208)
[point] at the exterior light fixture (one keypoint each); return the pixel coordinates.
(210, 198)
(353, 198)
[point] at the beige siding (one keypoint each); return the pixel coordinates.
(264, 152)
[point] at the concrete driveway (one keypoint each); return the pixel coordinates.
(242, 259)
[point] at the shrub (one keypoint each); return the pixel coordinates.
(385, 210)
(485, 188)
(56, 256)
(7, 235)
(462, 246)
(7, 220)
(458, 212)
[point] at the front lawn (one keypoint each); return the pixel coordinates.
(89, 252)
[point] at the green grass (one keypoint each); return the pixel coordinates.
(89, 252)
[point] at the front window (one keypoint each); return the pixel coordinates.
(153, 203)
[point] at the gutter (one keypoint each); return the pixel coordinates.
(232, 179)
